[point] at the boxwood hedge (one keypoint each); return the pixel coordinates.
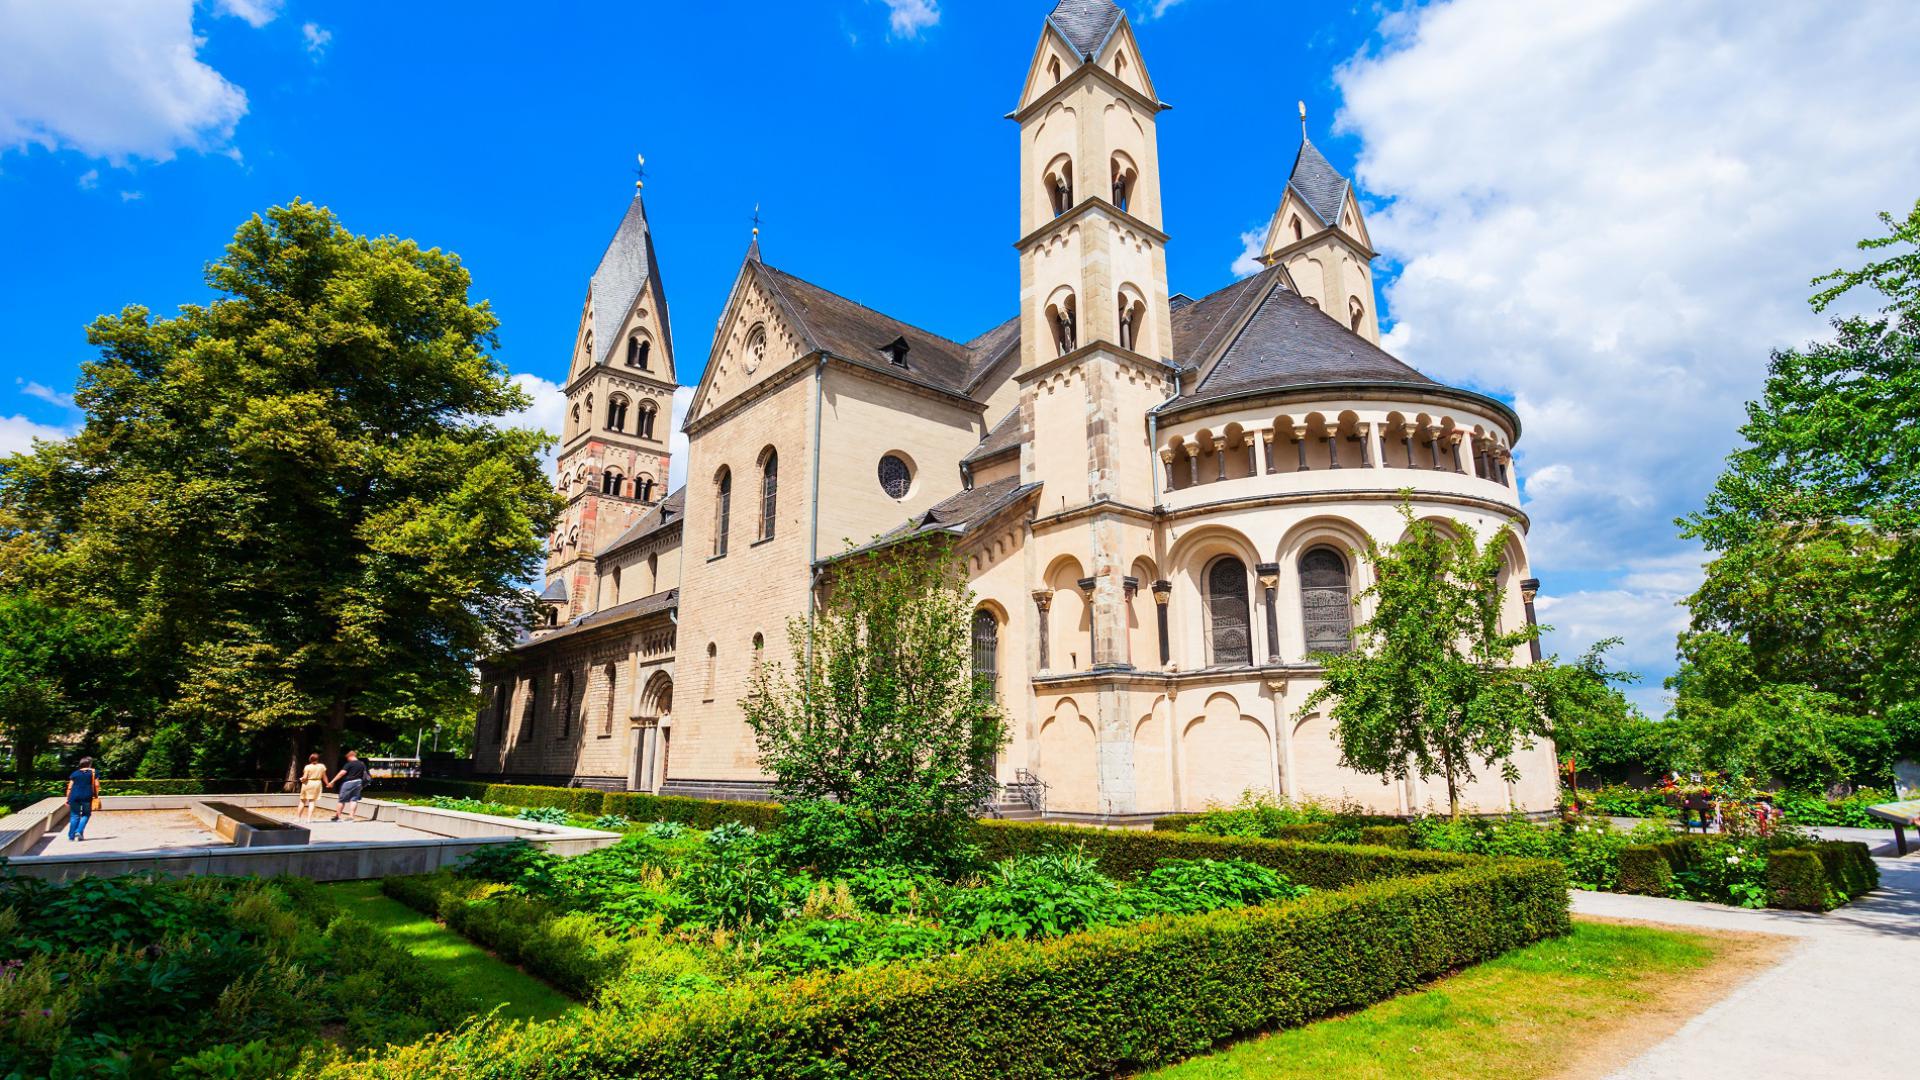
(1091, 1004)
(633, 805)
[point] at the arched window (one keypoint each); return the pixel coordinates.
(634, 352)
(769, 492)
(616, 585)
(1124, 178)
(1298, 232)
(643, 489)
(1119, 63)
(653, 573)
(499, 713)
(759, 651)
(1325, 603)
(1059, 185)
(986, 653)
(713, 667)
(616, 413)
(532, 712)
(722, 510)
(1229, 621)
(613, 695)
(647, 410)
(566, 705)
(1356, 312)
(1064, 321)
(1132, 314)
(610, 483)
(1053, 68)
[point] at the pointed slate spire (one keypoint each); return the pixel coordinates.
(627, 268)
(1318, 183)
(1086, 24)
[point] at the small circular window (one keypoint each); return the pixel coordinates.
(896, 476)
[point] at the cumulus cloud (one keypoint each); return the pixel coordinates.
(18, 432)
(114, 79)
(1609, 213)
(89, 180)
(907, 18)
(317, 39)
(1153, 9)
(256, 13)
(45, 393)
(1253, 244)
(547, 412)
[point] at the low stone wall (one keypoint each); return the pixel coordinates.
(452, 835)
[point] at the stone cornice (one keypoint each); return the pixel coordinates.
(1081, 209)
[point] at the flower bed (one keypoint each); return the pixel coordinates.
(1084, 952)
(1799, 808)
(136, 976)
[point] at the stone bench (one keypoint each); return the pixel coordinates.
(1899, 815)
(245, 828)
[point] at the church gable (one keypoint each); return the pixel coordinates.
(641, 345)
(1053, 60)
(756, 338)
(1121, 58)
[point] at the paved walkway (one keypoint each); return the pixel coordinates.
(125, 831)
(1839, 1004)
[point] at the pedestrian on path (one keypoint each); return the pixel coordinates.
(83, 794)
(354, 774)
(313, 780)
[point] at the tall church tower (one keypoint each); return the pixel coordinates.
(1320, 235)
(620, 383)
(1096, 339)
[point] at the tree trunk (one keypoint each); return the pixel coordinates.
(330, 735)
(1453, 789)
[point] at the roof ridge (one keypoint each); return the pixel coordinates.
(863, 307)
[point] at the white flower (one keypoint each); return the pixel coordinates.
(1733, 860)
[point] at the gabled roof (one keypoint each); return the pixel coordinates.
(954, 515)
(832, 323)
(669, 511)
(627, 267)
(1318, 183)
(1258, 334)
(555, 590)
(632, 609)
(1086, 24)
(991, 347)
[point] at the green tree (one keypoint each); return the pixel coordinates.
(1431, 686)
(60, 674)
(1816, 520)
(879, 721)
(303, 493)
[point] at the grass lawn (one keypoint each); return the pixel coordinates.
(1579, 1005)
(494, 981)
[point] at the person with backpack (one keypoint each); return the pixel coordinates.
(83, 794)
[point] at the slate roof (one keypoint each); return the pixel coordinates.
(1002, 437)
(990, 347)
(632, 609)
(953, 515)
(555, 590)
(1200, 327)
(1318, 183)
(1285, 341)
(835, 324)
(1085, 23)
(627, 267)
(669, 511)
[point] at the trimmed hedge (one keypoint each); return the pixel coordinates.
(1393, 836)
(568, 951)
(1648, 869)
(1125, 854)
(592, 802)
(1820, 877)
(1093, 1004)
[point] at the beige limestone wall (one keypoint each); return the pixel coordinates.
(864, 419)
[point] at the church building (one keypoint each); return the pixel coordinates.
(1158, 498)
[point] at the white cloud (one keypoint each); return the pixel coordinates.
(677, 441)
(1609, 213)
(131, 196)
(256, 13)
(17, 433)
(114, 79)
(908, 17)
(89, 180)
(1153, 9)
(45, 393)
(1253, 244)
(548, 411)
(317, 39)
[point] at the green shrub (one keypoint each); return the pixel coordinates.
(1647, 869)
(1820, 876)
(697, 813)
(544, 815)
(1392, 836)
(612, 822)
(1109, 1000)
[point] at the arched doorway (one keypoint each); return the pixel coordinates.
(652, 729)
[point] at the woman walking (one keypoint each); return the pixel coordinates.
(83, 787)
(313, 779)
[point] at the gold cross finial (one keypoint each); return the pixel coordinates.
(639, 171)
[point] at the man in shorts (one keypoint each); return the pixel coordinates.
(352, 779)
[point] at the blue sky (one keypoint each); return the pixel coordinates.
(1606, 214)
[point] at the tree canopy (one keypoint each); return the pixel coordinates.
(303, 495)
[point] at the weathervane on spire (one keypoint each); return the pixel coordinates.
(639, 171)
(1303, 121)
(756, 221)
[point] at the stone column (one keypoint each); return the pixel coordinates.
(1130, 588)
(1529, 589)
(1252, 441)
(1193, 464)
(1453, 447)
(1408, 431)
(1088, 586)
(1162, 593)
(1220, 458)
(1283, 749)
(1300, 441)
(1043, 602)
(1166, 458)
(1365, 434)
(1269, 587)
(1266, 448)
(1333, 448)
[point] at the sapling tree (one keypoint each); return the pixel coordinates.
(1433, 686)
(878, 731)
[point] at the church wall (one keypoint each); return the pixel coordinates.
(864, 419)
(755, 588)
(996, 564)
(1001, 468)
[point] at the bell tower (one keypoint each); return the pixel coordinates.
(1095, 336)
(1320, 235)
(613, 445)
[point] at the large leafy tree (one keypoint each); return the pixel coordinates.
(303, 494)
(1432, 686)
(880, 714)
(61, 674)
(1815, 523)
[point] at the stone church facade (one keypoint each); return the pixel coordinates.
(1158, 498)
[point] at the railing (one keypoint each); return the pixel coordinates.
(1028, 788)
